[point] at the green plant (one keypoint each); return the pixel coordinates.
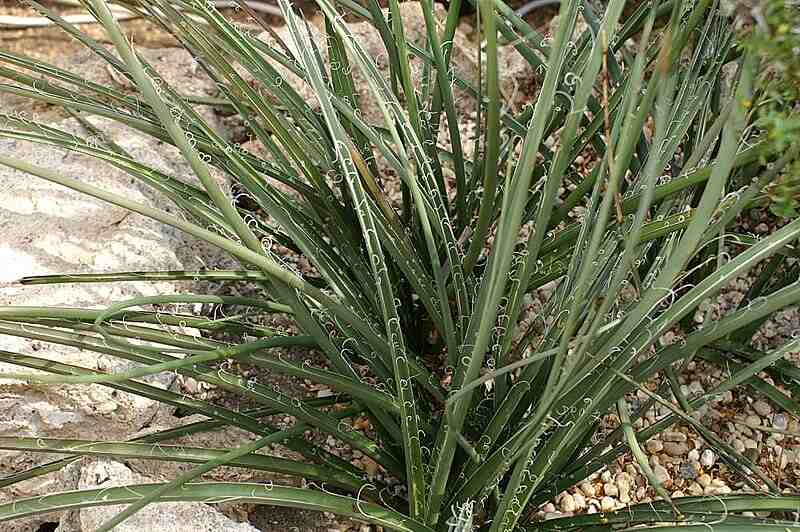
(478, 421)
(778, 41)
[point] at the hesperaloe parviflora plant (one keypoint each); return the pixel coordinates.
(479, 409)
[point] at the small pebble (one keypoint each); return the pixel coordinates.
(694, 455)
(704, 480)
(689, 470)
(610, 489)
(191, 385)
(726, 397)
(708, 458)
(752, 421)
(675, 449)
(750, 444)
(784, 460)
(607, 504)
(668, 338)
(665, 459)
(695, 388)
(762, 408)
(662, 474)
(695, 489)
(780, 422)
(624, 487)
(588, 489)
(674, 436)
(549, 508)
(654, 446)
(738, 445)
(567, 503)
(717, 490)
(580, 500)
(370, 466)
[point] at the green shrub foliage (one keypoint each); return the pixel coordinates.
(611, 200)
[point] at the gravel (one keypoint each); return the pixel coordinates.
(675, 449)
(762, 408)
(580, 500)
(708, 458)
(588, 490)
(752, 421)
(654, 446)
(682, 460)
(662, 474)
(694, 489)
(690, 470)
(567, 503)
(678, 437)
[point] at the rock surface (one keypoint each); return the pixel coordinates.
(46, 228)
(173, 517)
